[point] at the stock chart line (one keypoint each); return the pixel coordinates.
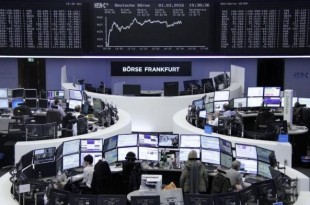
(135, 21)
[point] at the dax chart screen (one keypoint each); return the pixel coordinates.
(156, 27)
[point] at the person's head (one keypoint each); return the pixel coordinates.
(297, 105)
(77, 108)
(130, 156)
(226, 107)
(56, 102)
(192, 155)
(236, 165)
(88, 160)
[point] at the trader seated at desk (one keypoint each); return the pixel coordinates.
(235, 177)
(77, 111)
(59, 108)
(214, 121)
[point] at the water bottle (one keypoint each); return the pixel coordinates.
(59, 175)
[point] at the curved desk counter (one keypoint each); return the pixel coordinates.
(153, 114)
(123, 126)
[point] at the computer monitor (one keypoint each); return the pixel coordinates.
(111, 199)
(97, 105)
(207, 85)
(295, 99)
(199, 104)
(272, 102)
(125, 140)
(171, 88)
(31, 103)
(246, 151)
(83, 199)
(190, 140)
(131, 89)
(263, 170)
(58, 196)
(219, 81)
(70, 161)
(42, 103)
(248, 165)
(148, 140)
(148, 153)
(190, 84)
(145, 200)
(304, 101)
(225, 146)
(263, 154)
(226, 198)
(255, 102)
(110, 143)
(222, 95)
(255, 91)
(201, 199)
(111, 156)
(121, 152)
(272, 91)
(3, 93)
(219, 105)
(96, 157)
(239, 102)
(264, 190)
(183, 154)
(4, 103)
(226, 160)
(31, 93)
(18, 93)
(91, 145)
(209, 107)
(75, 95)
(70, 147)
(44, 155)
(16, 102)
(73, 103)
(210, 156)
(168, 140)
(55, 94)
(208, 142)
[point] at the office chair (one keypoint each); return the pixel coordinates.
(220, 184)
(263, 118)
(111, 199)
(53, 116)
(145, 200)
(82, 127)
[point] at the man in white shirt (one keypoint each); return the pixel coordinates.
(88, 170)
(59, 108)
(214, 122)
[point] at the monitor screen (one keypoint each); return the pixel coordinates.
(131, 89)
(222, 95)
(272, 101)
(4, 103)
(3, 93)
(263, 154)
(225, 146)
(70, 161)
(73, 103)
(168, 140)
(18, 93)
(91, 145)
(248, 165)
(148, 153)
(127, 140)
(240, 103)
(110, 143)
(210, 156)
(207, 85)
(96, 157)
(16, 102)
(209, 107)
(263, 170)
(111, 156)
(148, 140)
(226, 160)
(71, 147)
(304, 101)
(199, 104)
(122, 152)
(190, 140)
(55, 94)
(97, 105)
(31, 93)
(255, 102)
(171, 88)
(43, 103)
(255, 91)
(183, 155)
(272, 91)
(190, 84)
(44, 155)
(203, 114)
(295, 99)
(31, 103)
(219, 106)
(208, 142)
(246, 151)
(75, 94)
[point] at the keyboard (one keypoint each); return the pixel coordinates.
(251, 180)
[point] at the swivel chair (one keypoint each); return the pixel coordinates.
(53, 116)
(263, 118)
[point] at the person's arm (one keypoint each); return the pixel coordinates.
(182, 178)
(240, 181)
(61, 111)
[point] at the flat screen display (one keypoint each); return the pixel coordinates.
(16, 102)
(71, 161)
(73, 103)
(208, 142)
(3, 93)
(4, 103)
(199, 104)
(225, 146)
(31, 103)
(111, 156)
(75, 94)
(110, 143)
(31, 93)
(263, 154)
(190, 140)
(91, 145)
(246, 151)
(219, 106)
(127, 140)
(55, 94)
(96, 157)
(255, 102)
(272, 91)
(272, 101)
(168, 140)
(304, 101)
(240, 102)
(122, 152)
(210, 156)
(183, 155)
(255, 91)
(248, 165)
(44, 155)
(148, 140)
(226, 160)
(209, 107)
(71, 147)
(43, 103)
(18, 93)
(222, 95)
(263, 170)
(148, 153)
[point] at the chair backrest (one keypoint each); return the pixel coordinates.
(82, 127)
(145, 200)
(53, 116)
(83, 199)
(202, 199)
(220, 184)
(111, 199)
(262, 120)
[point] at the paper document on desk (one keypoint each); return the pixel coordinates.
(171, 196)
